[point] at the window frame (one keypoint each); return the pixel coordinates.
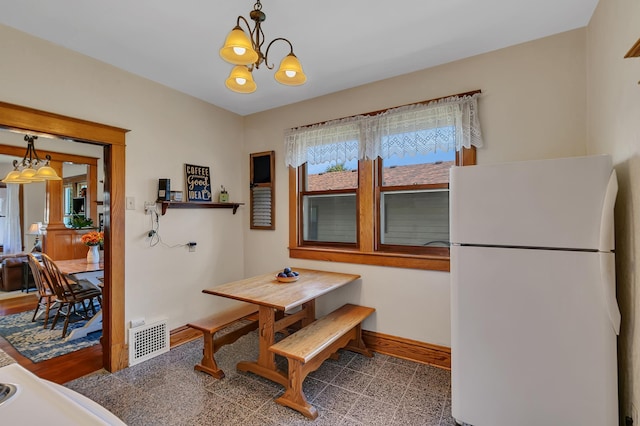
(367, 249)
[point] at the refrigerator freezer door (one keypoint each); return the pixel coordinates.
(546, 203)
(531, 341)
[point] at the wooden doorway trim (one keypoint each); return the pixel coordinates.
(113, 140)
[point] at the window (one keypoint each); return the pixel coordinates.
(413, 203)
(374, 189)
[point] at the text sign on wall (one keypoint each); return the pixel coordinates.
(198, 181)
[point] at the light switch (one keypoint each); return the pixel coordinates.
(131, 203)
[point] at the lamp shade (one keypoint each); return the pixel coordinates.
(14, 177)
(290, 71)
(238, 49)
(47, 173)
(29, 175)
(241, 80)
(34, 229)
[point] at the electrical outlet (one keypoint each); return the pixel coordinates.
(149, 207)
(192, 246)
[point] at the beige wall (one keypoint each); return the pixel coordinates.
(168, 129)
(614, 128)
(532, 107)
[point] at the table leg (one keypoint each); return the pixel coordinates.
(266, 364)
(310, 307)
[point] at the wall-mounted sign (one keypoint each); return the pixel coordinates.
(198, 181)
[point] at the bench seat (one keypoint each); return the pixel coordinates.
(216, 322)
(309, 347)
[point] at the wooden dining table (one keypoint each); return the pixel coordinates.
(274, 299)
(76, 268)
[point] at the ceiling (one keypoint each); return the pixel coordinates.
(341, 44)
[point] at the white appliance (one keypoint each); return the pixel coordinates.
(534, 313)
(40, 402)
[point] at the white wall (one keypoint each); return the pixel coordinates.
(532, 107)
(614, 128)
(167, 130)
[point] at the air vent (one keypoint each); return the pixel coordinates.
(148, 341)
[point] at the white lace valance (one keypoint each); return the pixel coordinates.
(409, 130)
(336, 140)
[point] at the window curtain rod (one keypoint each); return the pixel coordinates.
(366, 114)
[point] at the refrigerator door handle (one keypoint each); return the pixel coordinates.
(607, 239)
(608, 287)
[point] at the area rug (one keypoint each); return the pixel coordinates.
(38, 343)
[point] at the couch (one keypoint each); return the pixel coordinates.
(12, 272)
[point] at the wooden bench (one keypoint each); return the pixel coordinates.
(309, 347)
(216, 322)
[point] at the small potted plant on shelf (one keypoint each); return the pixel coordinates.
(224, 195)
(79, 221)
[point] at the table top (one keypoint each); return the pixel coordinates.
(76, 266)
(266, 290)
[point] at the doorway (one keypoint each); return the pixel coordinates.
(112, 139)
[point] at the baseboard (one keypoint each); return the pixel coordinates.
(413, 350)
(184, 334)
(425, 353)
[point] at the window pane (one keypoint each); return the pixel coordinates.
(331, 175)
(330, 218)
(415, 218)
(417, 170)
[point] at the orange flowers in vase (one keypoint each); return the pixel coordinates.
(93, 238)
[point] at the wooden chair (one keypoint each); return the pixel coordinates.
(70, 295)
(47, 296)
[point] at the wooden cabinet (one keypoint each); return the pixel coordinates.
(65, 243)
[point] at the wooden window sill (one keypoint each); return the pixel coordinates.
(397, 260)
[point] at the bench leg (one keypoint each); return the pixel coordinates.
(208, 364)
(211, 346)
(293, 397)
(357, 344)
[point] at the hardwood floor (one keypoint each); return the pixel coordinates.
(60, 369)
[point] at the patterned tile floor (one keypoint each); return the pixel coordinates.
(354, 390)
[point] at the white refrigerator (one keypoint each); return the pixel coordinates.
(534, 316)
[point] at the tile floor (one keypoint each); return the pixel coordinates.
(355, 390)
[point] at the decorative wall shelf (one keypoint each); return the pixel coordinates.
(197, 205)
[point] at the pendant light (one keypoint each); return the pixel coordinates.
(31, 168)
(245, 52)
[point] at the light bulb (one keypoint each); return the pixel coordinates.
(290, 73)
(239, 51)
(241, 81)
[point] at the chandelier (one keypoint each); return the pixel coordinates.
(31, 168)
(245, 52)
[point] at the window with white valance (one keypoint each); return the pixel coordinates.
(354, 197)
(408, 130)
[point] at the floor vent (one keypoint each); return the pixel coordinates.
(148, 341)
